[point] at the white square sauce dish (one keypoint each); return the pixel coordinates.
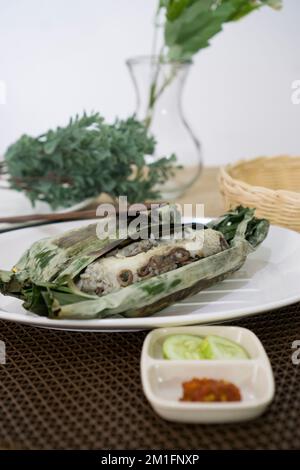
(206, 374)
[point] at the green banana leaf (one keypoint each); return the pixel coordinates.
(44, 276)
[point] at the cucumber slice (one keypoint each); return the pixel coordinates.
(182, 347)
(216, 347)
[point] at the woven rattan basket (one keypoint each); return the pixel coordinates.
(269, 184)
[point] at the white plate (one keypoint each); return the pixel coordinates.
(162, 379)
(269, 279)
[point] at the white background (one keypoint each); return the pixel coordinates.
(58, 57)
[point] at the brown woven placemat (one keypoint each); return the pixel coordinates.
(82, 391)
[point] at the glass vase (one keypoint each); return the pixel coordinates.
(159, 85)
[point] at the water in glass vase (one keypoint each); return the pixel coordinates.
(159, 85)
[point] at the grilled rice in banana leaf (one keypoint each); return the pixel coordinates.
(78, 275)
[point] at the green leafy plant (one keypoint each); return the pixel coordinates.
(188, 26)
(85, 158)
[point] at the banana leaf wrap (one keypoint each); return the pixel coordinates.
(44, 278)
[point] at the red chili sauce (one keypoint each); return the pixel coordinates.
(210, 390)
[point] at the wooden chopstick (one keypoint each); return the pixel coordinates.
(88, 214)
(75, 215)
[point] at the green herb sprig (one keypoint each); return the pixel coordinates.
(87, 157)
